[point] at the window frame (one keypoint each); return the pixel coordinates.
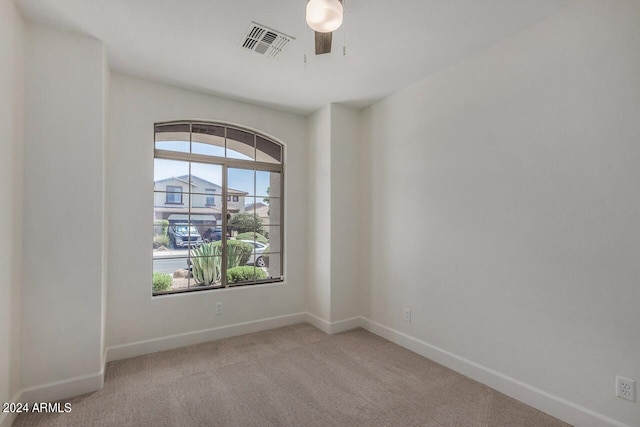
(173, 193)
(210, 192)
(226, 163)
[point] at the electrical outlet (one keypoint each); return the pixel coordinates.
(407, 315)
(626, 388)
(218, 308)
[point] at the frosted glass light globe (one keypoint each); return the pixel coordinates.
(324, 16)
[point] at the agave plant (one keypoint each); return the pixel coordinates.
(207, 263)
(238, 253)
(207, 260)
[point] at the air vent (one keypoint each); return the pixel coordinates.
(265, 41)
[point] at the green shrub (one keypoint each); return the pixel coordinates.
(161, 282)
(238, 253)
(160, 227)
(245, 273)
(160, 241)
(206, 263)
(245, 222)
(250, 236)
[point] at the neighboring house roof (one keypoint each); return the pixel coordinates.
(185, 179)
(255, 206)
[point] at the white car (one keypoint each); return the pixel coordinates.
(256, 257)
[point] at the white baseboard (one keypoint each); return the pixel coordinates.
(334, 327)
(7, 418)
(64, 389)
(140, 348)
(57, 390)
(546, 402)
(319, 322)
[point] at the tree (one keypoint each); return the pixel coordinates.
(245, 222)
(266, 199)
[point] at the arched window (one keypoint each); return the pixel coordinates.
(218, 207)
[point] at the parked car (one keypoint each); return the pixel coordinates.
(256, 257)
(181, 234)
(212, 235)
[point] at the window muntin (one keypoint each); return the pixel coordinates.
(232, 187)
(267, 151)
(241, 144)
(173, 137)
(208, 140)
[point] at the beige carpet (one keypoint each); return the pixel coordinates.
(293, 376)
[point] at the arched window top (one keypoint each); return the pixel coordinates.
(217, 140)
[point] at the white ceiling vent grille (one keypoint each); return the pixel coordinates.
(265, 41)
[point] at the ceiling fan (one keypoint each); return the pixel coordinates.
(324, 17)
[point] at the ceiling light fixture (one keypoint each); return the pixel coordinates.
(324, 16)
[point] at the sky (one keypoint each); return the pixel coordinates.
(238, 179)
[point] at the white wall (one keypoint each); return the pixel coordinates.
(365, 227)
(346, 213)
(11, 170)
(319, 202)
(63, 207)
(517, 171)
(132, 313)
(335, 158)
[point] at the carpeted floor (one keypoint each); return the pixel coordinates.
(293, 376)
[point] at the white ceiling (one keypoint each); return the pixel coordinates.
(195, 43)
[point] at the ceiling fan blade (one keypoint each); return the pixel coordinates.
(323, 43)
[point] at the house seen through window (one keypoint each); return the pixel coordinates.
(218, 204)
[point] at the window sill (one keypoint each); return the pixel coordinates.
(198, 289)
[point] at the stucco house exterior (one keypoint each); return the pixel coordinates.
(172, 199)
